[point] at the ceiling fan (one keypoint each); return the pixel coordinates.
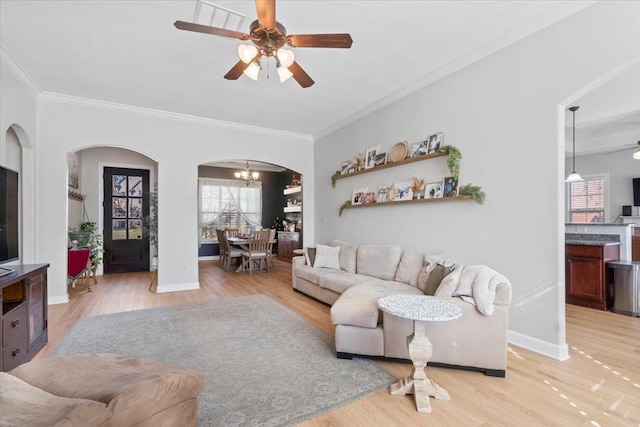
(268, 37)
(636, 155)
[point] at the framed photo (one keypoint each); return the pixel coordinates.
(403, 191)
(418, 149)
(73, 168)
(348, 166)
(381, 159)
(383, 191)
(450, 188)
(368, 197)
(370, 157)
(357, 196)
(435, 142)
(433, 190)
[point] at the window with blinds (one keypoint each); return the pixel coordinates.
(587, 200)
(228, 203)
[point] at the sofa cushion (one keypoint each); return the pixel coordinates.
(435, 277)
(348, 253)
(312, 274)
(410, 265)
(310, 256)
(340, 281)
(449, 283)
(358, 305)
(378, 261)
(25, 405)
(133, 389)
(327, 257)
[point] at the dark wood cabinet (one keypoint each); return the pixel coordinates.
(287, 242)
(24, 314)
(635, 248)
(587, 280)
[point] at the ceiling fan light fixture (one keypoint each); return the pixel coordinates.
(636, 155)
(252, 71)
(286, 57)
(247, 52)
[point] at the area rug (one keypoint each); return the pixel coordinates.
(262, 364)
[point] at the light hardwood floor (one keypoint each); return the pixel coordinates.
(598, 386)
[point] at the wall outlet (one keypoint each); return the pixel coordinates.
(581, 229)
(324, 219)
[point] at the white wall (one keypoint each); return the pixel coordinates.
(506, 114)
(178, 146)
(621, 167)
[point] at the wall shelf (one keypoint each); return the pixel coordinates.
(399, 202)
(290, 209)
(394, 164)
(293, 190)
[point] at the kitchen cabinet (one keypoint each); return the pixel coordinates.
(588, 282)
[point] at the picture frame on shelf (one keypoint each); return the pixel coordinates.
(418, 149)
(347, 167)
(370, 157)
(450, 187)
(433, 190)
(383, 191)
(403, 191)
(380, 159)
(435, 142)
(357, 196)
(368, 197)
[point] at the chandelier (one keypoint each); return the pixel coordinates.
(247, 174)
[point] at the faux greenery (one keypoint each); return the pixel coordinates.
(475, 191)
(150, 224)
(334, 177)
(453, 159)
(344, 205)
(94, 240)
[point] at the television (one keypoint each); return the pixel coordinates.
(9, 227)
(636, 191)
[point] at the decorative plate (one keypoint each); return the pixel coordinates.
(399, 151)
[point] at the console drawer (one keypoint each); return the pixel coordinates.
(15, 353)
(14, 323)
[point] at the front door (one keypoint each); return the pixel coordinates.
(126, 204)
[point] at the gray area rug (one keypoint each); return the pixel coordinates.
(262, 364)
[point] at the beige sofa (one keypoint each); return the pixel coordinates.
(99, 390)
(475, 341)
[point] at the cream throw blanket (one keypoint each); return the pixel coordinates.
(477, 285)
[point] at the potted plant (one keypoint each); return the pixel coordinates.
(150, 226)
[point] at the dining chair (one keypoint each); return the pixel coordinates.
(231, 232)
(227, 252)
(78, 263)
(270, 254)
(258, 249)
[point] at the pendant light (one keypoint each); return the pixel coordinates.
(574, 176)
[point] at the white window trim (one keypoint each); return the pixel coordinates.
(607, 207)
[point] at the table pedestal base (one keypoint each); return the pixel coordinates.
(420, 351)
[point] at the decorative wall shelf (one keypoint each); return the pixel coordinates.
(290, 209)
(292, 190)
(394, 164)
(439, 199)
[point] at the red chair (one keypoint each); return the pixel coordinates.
(78, 264)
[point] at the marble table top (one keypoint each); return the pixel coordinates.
(420, 307)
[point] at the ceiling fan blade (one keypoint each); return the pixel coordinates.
(300, 75)
(320, 40)
(622, 149)
(190, 26)
(266, 13)
(236, 71)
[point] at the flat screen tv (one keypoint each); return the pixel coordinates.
(9, 231)
(636, 191)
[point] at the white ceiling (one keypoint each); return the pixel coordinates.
(128, 52)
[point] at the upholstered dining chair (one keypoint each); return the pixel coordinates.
(258, 249)
(227, 253)
(78, 264)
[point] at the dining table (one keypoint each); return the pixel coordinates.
(243, 243)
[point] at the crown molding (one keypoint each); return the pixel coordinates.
(16, 69)
(149, 112)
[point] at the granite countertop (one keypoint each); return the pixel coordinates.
(590, 242)
(610, 224)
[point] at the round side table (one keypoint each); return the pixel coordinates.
(421, 309)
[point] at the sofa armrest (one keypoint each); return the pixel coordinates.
(503, 293)
(296, 261)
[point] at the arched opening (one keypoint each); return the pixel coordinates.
(227, 199)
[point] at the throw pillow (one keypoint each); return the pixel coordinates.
(436, 276)
(425, 271)
(310, 256)
(409, 268)
(327, 257)
(449, 283)
(348, 252)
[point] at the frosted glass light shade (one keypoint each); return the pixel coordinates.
(636, 155)
(255, 175)
(286, 57)
(252, 71)
(284, 73)
(247, 52)
(574, 177)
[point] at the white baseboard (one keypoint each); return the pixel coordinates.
(58, 299)
(175, 287)
(209, 258)
(554, 351)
